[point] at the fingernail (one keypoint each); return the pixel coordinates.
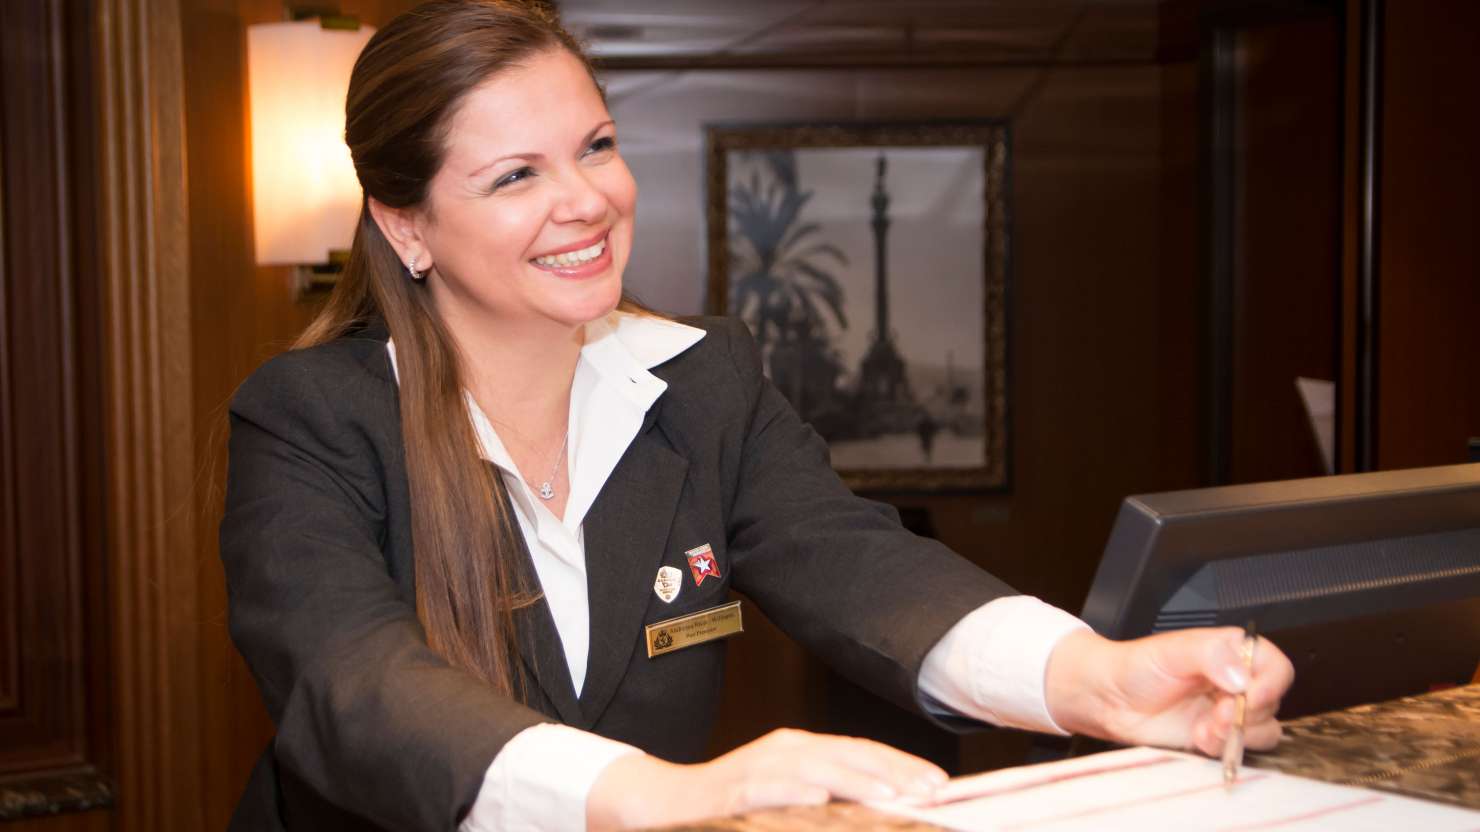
(1237, 681)
(884, 791)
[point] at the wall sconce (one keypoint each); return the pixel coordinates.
(305, 198)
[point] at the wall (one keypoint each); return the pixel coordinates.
(1429, 268)
(1285, 273)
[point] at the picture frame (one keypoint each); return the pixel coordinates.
(870, 261)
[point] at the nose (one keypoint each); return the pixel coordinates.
(580, 200)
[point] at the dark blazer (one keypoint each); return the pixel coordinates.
(374, 730)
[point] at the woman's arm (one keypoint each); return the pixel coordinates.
(367, 715)
(836, 572)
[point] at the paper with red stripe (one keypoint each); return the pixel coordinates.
(1146, 789)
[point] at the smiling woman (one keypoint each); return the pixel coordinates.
(496, 226)
(483, 521)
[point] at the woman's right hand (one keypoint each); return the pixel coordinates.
(784, 768)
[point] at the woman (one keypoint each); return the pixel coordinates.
(569, 469)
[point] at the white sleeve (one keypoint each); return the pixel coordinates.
(991, 664)
(540, 780)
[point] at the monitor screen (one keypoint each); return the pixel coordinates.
(1369, 582)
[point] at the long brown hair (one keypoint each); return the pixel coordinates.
(403, 92)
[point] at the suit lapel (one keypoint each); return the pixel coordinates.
(544, 659)
(626, 531)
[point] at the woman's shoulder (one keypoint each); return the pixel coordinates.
(718, 342)
(720, 326)
(343, 372)
(719, 376)
(727, 345)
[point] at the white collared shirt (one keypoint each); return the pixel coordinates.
(989, 666)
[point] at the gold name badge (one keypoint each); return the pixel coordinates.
(694, 628)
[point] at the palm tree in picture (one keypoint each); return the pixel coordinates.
(786, 284)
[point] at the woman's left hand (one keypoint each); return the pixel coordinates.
(1172, 690)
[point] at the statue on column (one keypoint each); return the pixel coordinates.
(884, 400)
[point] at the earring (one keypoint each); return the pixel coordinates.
(411, 269)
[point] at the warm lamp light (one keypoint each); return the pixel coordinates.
(304, 192)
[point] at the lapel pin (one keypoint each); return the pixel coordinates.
(669, 582)
(702, 564)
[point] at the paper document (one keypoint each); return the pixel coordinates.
(1146, 789)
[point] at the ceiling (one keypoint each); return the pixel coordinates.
(976, 30)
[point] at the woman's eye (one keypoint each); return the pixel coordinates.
(512, 177)
(602, 145)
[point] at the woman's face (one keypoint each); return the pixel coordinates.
(530, 218)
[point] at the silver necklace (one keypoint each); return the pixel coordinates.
(547, 488)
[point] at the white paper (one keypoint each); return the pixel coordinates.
(1147, 789)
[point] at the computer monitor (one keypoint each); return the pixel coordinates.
(1369, 582)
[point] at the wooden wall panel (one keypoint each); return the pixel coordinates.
(1287, 256)
(53, 722)
(41, 724)
(1429, 267)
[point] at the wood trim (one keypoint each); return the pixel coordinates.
(934, 59)
(1351, 214)
(148, 434)
(98, 820)
(1369, 116)
(51, 793)
(9, 541)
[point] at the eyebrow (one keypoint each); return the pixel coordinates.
(529, 157)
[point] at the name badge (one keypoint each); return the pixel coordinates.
(694, 628)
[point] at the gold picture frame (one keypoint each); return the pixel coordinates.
(811, 229)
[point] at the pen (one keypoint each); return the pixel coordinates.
(1233, 747)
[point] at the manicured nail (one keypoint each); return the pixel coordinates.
(1237, 681)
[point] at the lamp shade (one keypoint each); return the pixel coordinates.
(305, 198)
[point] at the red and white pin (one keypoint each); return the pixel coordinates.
(702, 564)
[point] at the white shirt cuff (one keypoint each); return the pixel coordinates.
(991, 664)
(540, 780)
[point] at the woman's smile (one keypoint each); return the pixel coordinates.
(580, 260)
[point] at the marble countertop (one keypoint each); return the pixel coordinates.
(1423, 746)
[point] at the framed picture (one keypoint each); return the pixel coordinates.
(870, 262)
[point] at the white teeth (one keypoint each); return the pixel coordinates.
(573, 258)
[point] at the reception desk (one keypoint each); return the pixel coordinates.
(1422, 746)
